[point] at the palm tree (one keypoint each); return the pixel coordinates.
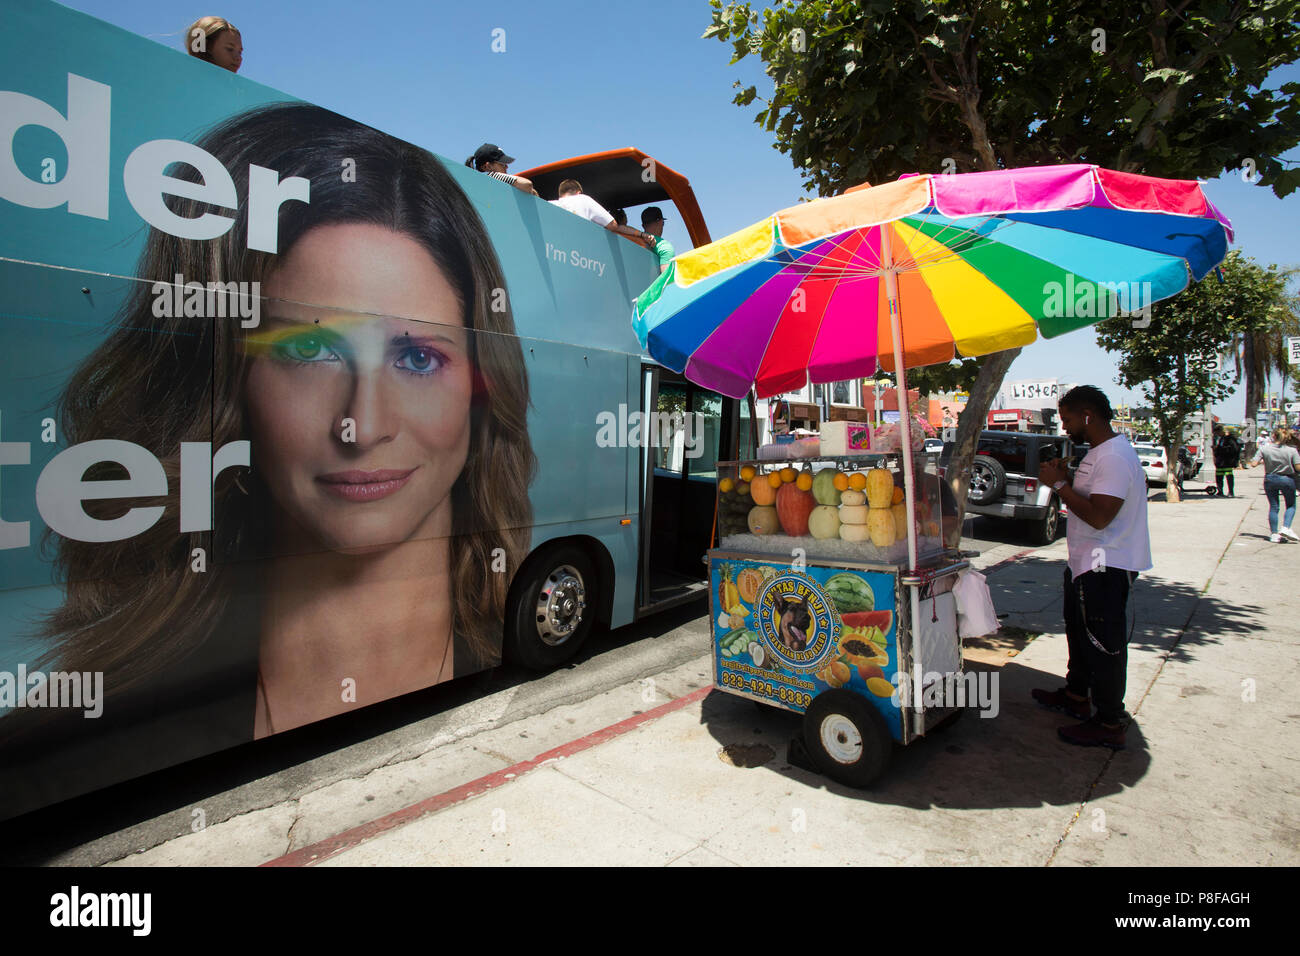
(1259, 348)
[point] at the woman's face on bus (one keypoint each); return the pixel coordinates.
(227, 50)
(359, 414)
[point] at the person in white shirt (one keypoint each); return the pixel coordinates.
(579, 203)
(1108, 545)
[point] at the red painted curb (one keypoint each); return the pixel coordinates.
(318, 852)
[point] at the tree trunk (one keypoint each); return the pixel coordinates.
(1173, 493)
(970, 423)
(1253, 384)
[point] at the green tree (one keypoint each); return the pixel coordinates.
(866, 90)
(1175, 358)
(1262, 314)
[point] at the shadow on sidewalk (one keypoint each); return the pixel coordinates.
(1014, 759)
(1030, 591)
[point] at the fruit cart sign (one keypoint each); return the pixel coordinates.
(796, 621)
(782, 636)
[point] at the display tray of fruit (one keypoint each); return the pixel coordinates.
(837, 512)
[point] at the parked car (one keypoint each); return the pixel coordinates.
(934, 444)
(1004, 480)
(1155, 464)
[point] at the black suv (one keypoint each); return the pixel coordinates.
(1004, 479)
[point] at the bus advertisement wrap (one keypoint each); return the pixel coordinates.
(285, 406)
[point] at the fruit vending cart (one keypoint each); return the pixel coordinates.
(824, 291)
(811, 602)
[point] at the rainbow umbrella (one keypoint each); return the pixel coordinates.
(918, 271)
(971, 262)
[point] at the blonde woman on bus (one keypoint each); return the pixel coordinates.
(367, 550)
(215, 40)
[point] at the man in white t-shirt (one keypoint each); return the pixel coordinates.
(1108, 545)
(579, 203)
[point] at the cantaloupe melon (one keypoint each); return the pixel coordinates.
(880, 487)
(762, 492)
(899, 511)
(763, 520)
(854, 532)
(880, 526)
(853, 514)
(824, 522)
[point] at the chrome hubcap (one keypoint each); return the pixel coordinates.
(560, 605)
(981, 479)
(841, 739)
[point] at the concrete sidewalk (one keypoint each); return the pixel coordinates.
(661, 771)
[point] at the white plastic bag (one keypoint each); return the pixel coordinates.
(976, 615)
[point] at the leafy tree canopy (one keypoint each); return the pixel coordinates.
(865, 90)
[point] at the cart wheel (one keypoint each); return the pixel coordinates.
(1211, 490)
(847, 738)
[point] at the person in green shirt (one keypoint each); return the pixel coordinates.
(652, 221)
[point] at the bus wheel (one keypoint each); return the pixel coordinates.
(847, 738)
(551, 609)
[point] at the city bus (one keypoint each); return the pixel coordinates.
(297, 417)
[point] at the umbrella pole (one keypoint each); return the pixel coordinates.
(905, 435)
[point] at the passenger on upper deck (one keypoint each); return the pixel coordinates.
(491, 159)
(216, 40)
(652, 221)
(573, 199)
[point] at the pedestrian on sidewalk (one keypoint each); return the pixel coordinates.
(1281, 462)
(1227, 455)
(1108, 544)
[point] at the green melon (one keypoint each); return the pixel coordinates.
(823, 488)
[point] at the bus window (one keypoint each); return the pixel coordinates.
(667, 435)
(747, 446)
(705, 428)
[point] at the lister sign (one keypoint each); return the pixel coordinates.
(1045, 390)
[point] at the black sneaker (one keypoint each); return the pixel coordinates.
(1059, 700)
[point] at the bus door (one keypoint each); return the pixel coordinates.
(690, 430)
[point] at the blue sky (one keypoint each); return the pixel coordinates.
(578, 77)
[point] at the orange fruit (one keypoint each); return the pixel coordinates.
(726, 484)
(804, 482)
(898, 495)
(857, 481)
(787, 474)
(774, 479)
(747, 473)
(840, 481)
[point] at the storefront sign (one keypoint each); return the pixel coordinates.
(1046, 390)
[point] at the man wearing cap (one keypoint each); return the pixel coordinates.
(652, 221)
(573, 199)
(491, 159)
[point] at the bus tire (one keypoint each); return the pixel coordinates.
(551, 607)
(847, 738)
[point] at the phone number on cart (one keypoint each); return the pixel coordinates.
(767, 689)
